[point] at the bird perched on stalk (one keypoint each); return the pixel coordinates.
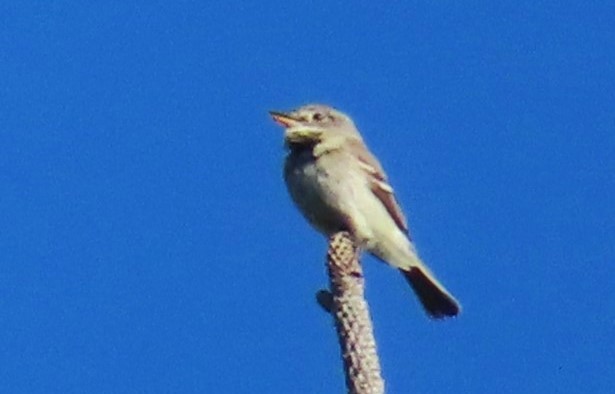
(338, 185)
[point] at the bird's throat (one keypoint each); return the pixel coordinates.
(301, 146)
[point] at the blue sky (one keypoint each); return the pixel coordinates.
(148, 243)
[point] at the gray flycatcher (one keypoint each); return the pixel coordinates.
(338, 184)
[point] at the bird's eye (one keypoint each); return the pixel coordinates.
(317, 116)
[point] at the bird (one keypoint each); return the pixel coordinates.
(339, 185)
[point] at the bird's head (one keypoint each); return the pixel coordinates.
(310, 124)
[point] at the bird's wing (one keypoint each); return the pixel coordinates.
(379, 183)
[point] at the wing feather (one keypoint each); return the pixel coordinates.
(379, 183)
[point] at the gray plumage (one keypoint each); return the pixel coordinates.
(338, 184)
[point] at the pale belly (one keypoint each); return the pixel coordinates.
(340, 199)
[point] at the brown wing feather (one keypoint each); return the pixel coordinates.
(379, 184)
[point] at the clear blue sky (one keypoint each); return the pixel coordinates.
(147, 242)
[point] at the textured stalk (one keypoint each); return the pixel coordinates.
(349, 308)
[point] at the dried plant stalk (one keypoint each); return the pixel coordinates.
(352, 320)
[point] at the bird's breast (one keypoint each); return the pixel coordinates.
(310, 185)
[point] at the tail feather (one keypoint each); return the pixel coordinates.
(438, 303)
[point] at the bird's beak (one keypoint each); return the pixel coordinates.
(283, 119)
(295, 131)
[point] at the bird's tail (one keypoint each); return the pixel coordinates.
(400, 253)
(438, 302)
